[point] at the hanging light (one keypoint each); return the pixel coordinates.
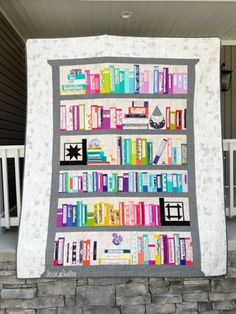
(126, 14)
(226, 76)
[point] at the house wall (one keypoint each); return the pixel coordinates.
(12, 95)
(229, 98)
(12, 85)
(228, 103)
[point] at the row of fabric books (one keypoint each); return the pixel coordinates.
(137, 116)
(176, 119)
(129, 213)
(121, 80)
(130, 151)
(140, 151)
(105, 214)
(122, 182)
(143, 249)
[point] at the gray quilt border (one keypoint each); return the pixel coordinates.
(134, 270)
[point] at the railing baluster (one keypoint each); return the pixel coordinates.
(231, 179)
(1, 194)
(17, 178)
(5, 189)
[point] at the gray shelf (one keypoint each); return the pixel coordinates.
(121, 194)
(122, 167)
(126, 271)
(126, 131)
(175, 229)
(101, 96)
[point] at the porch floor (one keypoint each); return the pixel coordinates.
(8, 244)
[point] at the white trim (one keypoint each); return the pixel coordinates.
(160, 0)
(231, 180)
(231, 245)
(10, 151)
(13, 222)
(17, 180)
(229, 42)
(5, 191)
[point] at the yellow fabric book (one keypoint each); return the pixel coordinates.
(105, 81)
(173, 120)
(134, 152)
(144, 151)
(158, 248)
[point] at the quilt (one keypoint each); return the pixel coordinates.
(123, 160)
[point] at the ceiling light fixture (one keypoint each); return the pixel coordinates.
(126, 14)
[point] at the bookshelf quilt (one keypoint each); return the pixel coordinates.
(125, 178)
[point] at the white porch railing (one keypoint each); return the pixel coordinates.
(17, 152)
(7, 152)
(229, 147)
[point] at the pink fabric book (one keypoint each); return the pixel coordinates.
(146, 80)
(180, 83)
(97, 83)
(170, 83)
(75, 118)
(119, 119)
(171, 251)
(106, 119)
(88, 83)
(59, 218)
(100, 182)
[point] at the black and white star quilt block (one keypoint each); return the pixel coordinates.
(75, 153)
